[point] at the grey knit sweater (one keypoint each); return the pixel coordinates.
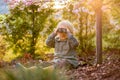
(64, 49)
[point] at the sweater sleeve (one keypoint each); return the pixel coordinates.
(72, 40)
(51, 40)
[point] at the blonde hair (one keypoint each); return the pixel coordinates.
(66, 24)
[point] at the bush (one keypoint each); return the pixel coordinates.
(36, 74)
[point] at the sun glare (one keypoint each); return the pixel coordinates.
(59, 4)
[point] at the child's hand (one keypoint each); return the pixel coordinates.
(68, 31)
(69, 34)
(55, 30)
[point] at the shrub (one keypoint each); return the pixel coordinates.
(36, 74)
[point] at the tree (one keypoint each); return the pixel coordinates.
(112, 31)
(24, 24)
(83, 20)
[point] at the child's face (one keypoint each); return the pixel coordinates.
(62, 34)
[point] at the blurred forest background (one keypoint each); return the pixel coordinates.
(24, 29)
(27, 24)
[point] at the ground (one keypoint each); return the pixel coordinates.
(109, 70)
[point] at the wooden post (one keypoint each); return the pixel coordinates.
(97, 5)
(99, 36)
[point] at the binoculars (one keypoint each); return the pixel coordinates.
(62, 30)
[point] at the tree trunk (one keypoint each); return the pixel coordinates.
(33, 41)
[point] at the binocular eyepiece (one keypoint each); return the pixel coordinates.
(62, 30)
